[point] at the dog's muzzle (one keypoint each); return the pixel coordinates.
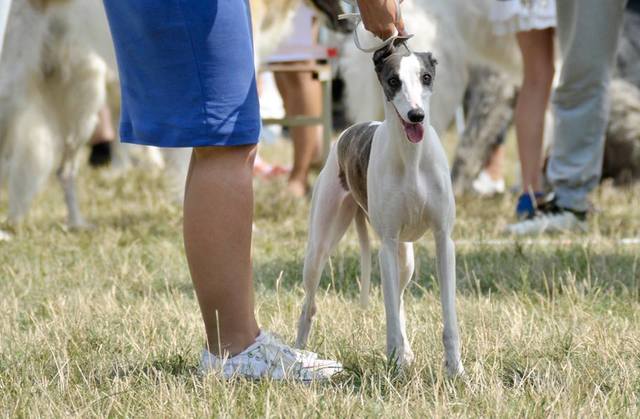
(415, 128)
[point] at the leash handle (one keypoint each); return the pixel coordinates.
(357, 18)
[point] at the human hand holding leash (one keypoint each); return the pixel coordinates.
(382, 17)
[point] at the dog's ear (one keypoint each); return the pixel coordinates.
(428, 59)
(381, 54)
(432, 59)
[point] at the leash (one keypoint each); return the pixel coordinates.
(357, 18)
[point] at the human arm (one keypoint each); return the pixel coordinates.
(381, 17)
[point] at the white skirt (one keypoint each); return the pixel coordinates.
(511, 16)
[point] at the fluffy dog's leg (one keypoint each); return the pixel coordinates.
(446, 264)
(406, 267)
(332, 210)
(177, 166)
(365, 257)
(31, 161)
(67, 178)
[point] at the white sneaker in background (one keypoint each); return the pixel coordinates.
(485, 186)
(270, 358)
(4, 236)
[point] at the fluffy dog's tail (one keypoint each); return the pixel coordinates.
(365, 257)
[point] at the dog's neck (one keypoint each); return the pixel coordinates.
(410, 153)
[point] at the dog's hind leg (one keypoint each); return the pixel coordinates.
(332, 210)
(365, 257)
(446, 266)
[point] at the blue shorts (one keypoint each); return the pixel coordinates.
(187, 74)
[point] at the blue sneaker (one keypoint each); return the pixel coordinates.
(550, 218)
(526, 207)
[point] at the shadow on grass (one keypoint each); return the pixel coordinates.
(484, 270)
(177, 365)
(140, 221)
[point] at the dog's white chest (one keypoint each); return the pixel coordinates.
(399, 206)
(406, 199)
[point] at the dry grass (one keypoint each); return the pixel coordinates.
(104, 323)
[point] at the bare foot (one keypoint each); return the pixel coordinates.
(297, 189)
(267, 171)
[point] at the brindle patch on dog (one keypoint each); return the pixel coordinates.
(354, 150)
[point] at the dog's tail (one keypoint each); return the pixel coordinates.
(365, 257)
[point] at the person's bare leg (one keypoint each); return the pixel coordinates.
(536, 47)
(102, 138)
(218, 213)
(302, 95)
(495, 163)
(104, 131)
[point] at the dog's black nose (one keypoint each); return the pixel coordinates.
(416, 115)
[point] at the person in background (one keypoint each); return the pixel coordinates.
(533, 23)
(301, 95)
(102, 139)
(588, 31)
(188, 80)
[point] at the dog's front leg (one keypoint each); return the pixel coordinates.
(406, 268)
(67, 177)
(397, 349)
(446, 264)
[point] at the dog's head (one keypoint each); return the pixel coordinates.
(407, 80)
(330, 10)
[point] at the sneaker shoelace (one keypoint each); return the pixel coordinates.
(277, 354)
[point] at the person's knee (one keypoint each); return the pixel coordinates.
(540, 76)
(571, 92)
(243, 155)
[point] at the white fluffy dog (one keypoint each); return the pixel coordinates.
(58, 69)
(51, 89)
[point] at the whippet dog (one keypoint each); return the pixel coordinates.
(395, 173)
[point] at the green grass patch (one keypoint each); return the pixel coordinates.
(105, 323)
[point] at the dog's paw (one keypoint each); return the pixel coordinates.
(454, 369)
(407, 358)
(401, 358)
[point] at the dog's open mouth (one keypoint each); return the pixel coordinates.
(414, 131)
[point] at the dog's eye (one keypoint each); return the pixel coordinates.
(426, 79)
(394, 82)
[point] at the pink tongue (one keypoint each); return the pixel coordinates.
(414, 132)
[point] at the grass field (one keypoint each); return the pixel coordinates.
(105, 323)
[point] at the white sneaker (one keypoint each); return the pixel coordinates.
(561, 221)
(4, 236)
(485, 186)
(270, 358)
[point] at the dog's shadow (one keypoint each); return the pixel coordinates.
(483, 270)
